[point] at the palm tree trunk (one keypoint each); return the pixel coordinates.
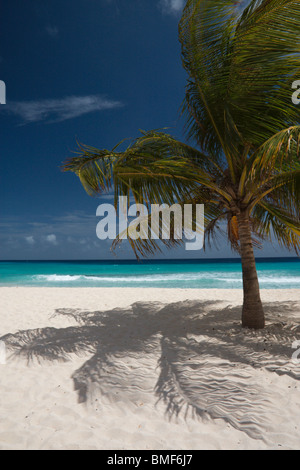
(253, 314)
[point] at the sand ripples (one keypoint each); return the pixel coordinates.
(192, 357)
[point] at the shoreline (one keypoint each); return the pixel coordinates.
(167, 289)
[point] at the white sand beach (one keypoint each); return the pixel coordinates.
(113, 369)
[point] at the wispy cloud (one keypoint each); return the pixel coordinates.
(52, 31)
(171, 6)
(52, 239)
(69, 236)
(58, 110)
(176, 6)
(30, 240)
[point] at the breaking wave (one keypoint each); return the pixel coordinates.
(177, 280)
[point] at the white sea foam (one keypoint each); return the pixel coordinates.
(56, 278)
(140, 278)
(168, 279)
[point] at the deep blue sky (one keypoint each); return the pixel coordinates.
(92, 70)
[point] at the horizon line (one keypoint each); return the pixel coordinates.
(144, 260)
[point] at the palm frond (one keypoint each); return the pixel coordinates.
(276, 223)
(264, 63)
(206, 32)
(239, 111)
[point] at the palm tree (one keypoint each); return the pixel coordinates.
(243, 162)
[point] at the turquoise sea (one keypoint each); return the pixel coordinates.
(274, 273)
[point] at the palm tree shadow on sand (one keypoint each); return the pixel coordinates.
(192, 356)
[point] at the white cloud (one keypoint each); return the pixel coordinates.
(171, 6)
(52, 31)
(57, 110)
(30, 240)
(176, 6)
(52, 239)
